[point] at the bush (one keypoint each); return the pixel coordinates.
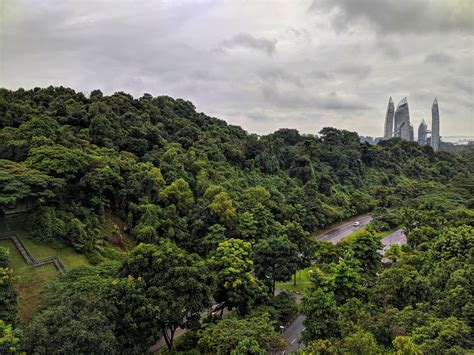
(76, 227)
(4, 257)
(46, 226)
(187, 342)
(285, 308)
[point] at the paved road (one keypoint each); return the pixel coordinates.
(338, 233)
(334, 235)
(397, 237)
(292, 333)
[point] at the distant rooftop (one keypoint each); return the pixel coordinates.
(403, 102)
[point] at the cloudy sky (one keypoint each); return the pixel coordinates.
(259, 64)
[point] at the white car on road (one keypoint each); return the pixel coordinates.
(356, 224)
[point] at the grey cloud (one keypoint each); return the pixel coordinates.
(274, 75)
(400, 16)
(287, 70)
(319, 74)
(358, 70)
(388, 49)
(439, 58)
(461, 83)
(302, 99)
(244, 40)
(299, 34)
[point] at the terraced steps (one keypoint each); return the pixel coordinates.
(28, 257)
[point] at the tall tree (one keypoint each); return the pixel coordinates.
(276, 259)
(236, 286)
(8, 296)
(176, 283)
(321, 315)
(365, 255)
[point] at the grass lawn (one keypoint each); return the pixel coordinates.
(289, 286)
(302, 282)
(31, 280)
(68, 255)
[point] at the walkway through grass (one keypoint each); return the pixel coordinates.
(31, 280)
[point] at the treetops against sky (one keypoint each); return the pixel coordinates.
(204, 198)
(311, 64)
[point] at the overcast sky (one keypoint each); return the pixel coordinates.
(262, 65)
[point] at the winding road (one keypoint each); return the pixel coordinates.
(335, 235)
(338, 233)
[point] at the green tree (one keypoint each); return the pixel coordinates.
(404, 345)
(454, 242)
(345, 282)
(224, 336)
(365, 256)
(360, 343)
(59, 161)
(216, 234)
(400, 286)
(178, 194)
(248, 346)
(394, 252)
(4, 257)
(8, 296)
(276, 259)
(235, 284)
(256, 195)
(9, 341)
(443, 336)
(21, 185)
(223, 208)
(321, 315)
(79, 326)
(319, 347)
(247, 226)
(176, 283)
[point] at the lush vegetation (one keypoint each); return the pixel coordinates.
(219, 215)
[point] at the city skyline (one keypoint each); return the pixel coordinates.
(397, 124)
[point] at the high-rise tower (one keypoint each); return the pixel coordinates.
(423, 133)
(435, 125)
(388, 129)
(402, 121)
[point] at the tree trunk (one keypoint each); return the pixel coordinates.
(168, 337)
(165, 335)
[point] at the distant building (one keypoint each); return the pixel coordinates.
(435, 138)
(397, 124)
(402, 121)
(369, 139)
(388, 130)
(423, 133)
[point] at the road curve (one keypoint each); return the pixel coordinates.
(336, 234)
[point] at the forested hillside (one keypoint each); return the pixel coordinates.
(222, 215)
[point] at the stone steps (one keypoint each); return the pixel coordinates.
(28, 257)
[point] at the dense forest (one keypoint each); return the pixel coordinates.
(178, 211)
